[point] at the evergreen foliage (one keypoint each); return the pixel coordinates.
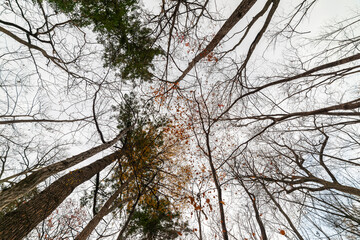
(154, 219)
(127, 42)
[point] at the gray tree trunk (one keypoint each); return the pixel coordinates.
(18, 223)
(29, 183)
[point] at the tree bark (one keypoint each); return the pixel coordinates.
(18, 223)
(29, 183)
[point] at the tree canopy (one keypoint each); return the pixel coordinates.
(196, 119)
(128, 43)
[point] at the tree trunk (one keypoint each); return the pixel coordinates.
(235, 17)
(288, 219)
(29, 183)
(105, 210)
(18, 223)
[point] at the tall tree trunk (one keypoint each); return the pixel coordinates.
(256, 210)
(18, 223)
(105, 210)
(235, 17)
(288, 219)
(218, 189)
(29, 183)
(208, 153)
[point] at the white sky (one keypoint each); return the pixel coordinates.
(325, 12)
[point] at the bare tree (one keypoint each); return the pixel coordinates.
(272, 106)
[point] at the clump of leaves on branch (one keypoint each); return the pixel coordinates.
(141, 146)
(128, 43)
(145, 142)
(155, 219)
(147, 150)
